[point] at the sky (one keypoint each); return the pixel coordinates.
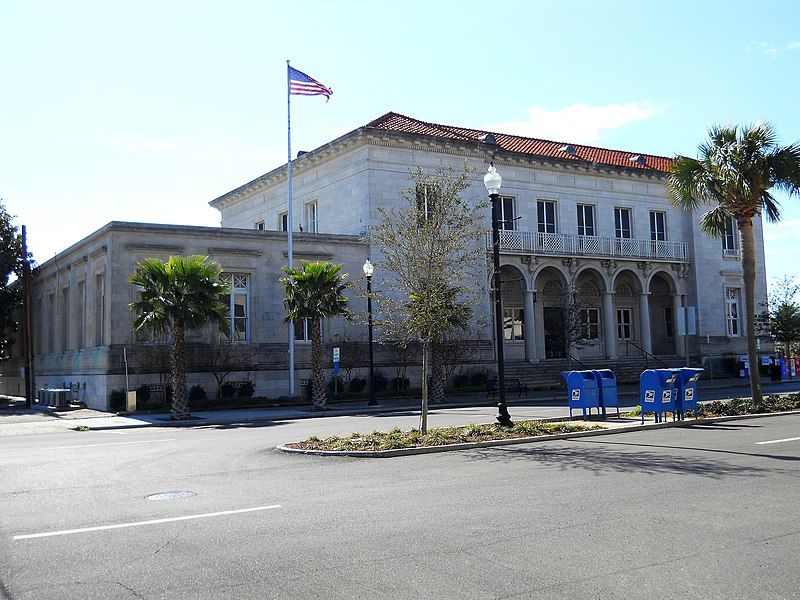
(147, 110)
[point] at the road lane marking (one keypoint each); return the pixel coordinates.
(794, 439)
(142, 523)
(107, 444)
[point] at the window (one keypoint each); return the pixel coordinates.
(507, 213)
(732, 311)
(668, 327)
(283, 221)
(513, 326)
(585, 219)
(622, 223)
(730, 241)
(658, 226)
(99, 308)
(590, 323)
(259, 225)
(80, 315)
(426, 200)
(624, 328)
(51, 323)
(302, 330)
(238, 302)
(546, 216)
(65, 319)
(312, 224)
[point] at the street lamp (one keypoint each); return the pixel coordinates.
(368, 271)
(493, 181)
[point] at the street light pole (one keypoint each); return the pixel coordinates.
(368, 270)
(493, 181)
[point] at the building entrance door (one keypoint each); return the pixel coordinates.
(553, 317)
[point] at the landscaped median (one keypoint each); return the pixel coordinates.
(397, 442)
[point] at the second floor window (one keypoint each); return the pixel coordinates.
(259, 225)
(507, 213)
(546, 216)
(658, 226)
(426, 200)
(622, 223)
(730, 241)
(585, 219)
(283, 222)
(312, 223)
(302, 330)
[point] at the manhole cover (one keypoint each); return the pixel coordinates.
(171, 495)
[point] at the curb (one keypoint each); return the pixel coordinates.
(527, 440)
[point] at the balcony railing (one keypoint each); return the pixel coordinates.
(588, 245)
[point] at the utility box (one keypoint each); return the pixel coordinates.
(582, 392)
(657, 392)
(686, 389)
(607, 389)
(130, 401)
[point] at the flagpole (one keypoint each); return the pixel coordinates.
(289, 221)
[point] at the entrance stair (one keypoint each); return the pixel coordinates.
(546, 374)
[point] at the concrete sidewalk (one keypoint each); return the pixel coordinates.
(16, 420)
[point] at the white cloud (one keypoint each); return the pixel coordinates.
(577, 123)
(793, 46)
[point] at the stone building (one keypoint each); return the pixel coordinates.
(586, 229)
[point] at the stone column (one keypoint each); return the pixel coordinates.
(609, 325)
(644, 318)
(676, 304)
(530, 326)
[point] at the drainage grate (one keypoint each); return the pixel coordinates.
(171, 496)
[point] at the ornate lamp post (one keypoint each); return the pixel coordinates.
(493, 181)
(368, 271)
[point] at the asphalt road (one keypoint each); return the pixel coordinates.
(700, 512)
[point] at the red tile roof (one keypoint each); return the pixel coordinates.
(516, 143)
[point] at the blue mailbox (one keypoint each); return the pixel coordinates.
(607, 388)
(686, 389)
(657, 392)
(582, 392)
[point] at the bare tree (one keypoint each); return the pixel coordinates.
(456, 349)
(352, 350)
(432, 257)
(225, 358)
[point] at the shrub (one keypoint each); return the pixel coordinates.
(461, 380)
(117, 400)
(357, 384)
(197, 392)
(247, 389)
(336, 385)
(143, 393)
(380, 383)
(477, 378)
(400, 383)
(227, 390)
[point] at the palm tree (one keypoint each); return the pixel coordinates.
(175, 296)
(736, 169)
(314, 292)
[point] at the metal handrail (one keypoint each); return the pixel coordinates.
(645, 352)
(515, 240)
(579, 362)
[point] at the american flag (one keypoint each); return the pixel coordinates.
(301, 84)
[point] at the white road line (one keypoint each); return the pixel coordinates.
(779, 441)
(107, 444)
(141, 523)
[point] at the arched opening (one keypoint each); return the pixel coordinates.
(513, 292)
(584, 315)
(551, 294)
(662, 314)
(628, 315)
